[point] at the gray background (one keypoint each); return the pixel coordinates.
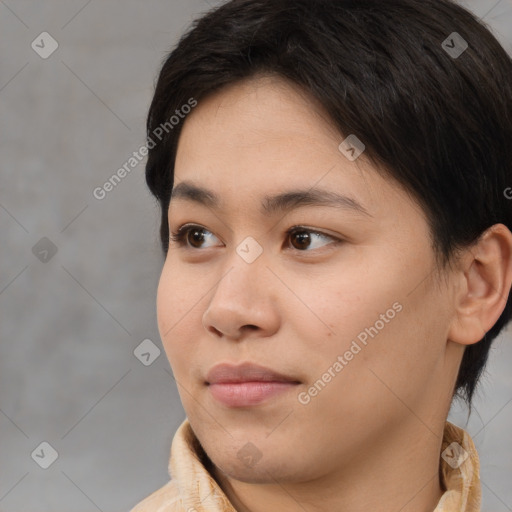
(70, 325)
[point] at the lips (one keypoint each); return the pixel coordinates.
(247, 384)
(245, 372)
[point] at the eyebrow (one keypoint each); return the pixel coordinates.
(280, 203)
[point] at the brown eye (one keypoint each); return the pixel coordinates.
(190, 236)
(302, 238)
(305, 238)
(194, 236)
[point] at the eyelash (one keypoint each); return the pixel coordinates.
(179, 236)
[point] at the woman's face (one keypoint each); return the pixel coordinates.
(347, 306)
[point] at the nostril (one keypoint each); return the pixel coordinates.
(216, 331)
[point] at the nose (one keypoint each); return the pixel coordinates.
(244, 301)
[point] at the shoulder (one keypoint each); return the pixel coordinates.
(165, 499)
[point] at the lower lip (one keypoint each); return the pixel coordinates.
(244, 394)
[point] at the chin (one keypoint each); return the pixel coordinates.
(276, 467)
(261, 473)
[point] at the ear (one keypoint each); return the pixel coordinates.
(485, 280)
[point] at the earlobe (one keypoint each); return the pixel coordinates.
(485, 282)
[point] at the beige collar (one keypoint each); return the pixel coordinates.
(460, 472)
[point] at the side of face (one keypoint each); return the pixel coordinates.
(362, 290)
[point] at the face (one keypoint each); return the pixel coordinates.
(345, 304)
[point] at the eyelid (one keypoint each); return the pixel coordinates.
(178, 235)
(302, 227)
(181, 232)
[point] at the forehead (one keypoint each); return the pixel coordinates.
(264, 137)
(252, 111)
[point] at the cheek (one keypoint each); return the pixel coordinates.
(336, 307)
(366, 316)
(177, 310)
(165, 304)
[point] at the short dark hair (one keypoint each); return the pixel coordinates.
(438, 123)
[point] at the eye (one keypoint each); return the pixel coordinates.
(182, 238)
(306, 237)
(192, 236)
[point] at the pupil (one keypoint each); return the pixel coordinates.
(303, 236)
(197, 236)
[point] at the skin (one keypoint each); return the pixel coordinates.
(371, 439)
